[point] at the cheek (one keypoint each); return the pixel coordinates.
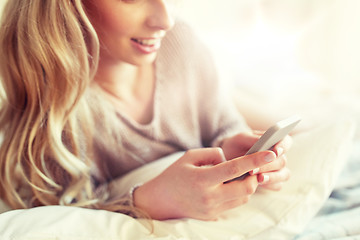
(109, 20)
(114, 26)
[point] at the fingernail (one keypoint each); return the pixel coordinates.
(255, 171)
(221, 154)
(279, 151)
(266, 179)
(270, 157)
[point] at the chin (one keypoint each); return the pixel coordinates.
(144, 60)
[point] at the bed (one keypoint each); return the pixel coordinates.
(339, 217)
(320, 201)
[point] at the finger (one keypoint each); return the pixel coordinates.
(283, 146)
(204, 156)
(275, 165)
(274, 177)
(238, 189)
(237, 193)
(231, 169)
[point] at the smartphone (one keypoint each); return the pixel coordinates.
(271, 137)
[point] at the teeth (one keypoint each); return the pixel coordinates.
(148, 42)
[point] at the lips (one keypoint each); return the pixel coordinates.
(148, 45)
(147, 42)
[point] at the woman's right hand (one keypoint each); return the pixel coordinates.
(194, 185)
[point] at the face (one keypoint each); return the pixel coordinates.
(130, 31)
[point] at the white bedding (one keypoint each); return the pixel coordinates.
(316, 159)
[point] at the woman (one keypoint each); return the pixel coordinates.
(94, 89)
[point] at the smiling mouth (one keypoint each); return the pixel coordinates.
(146, 42)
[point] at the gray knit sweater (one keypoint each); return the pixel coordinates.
(190, 111)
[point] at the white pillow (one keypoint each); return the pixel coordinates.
(316, 159)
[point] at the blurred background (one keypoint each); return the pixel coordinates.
(283, 57)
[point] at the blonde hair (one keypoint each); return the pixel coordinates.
(48, 57)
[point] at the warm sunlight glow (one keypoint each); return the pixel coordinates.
(285, 55)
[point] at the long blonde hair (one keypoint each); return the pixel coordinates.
(49, 53)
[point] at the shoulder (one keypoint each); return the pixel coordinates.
(183, 41)
(181, 34)
(183, 48)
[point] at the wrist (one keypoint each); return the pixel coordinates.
(153, 202)
(131, 193)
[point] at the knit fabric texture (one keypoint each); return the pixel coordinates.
(190, 110)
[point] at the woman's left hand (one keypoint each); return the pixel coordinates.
(270, 176)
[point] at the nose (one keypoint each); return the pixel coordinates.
(161, 15)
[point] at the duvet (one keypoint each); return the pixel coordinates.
(305, 208)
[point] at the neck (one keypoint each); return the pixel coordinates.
(124, 81)
(129, 88)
